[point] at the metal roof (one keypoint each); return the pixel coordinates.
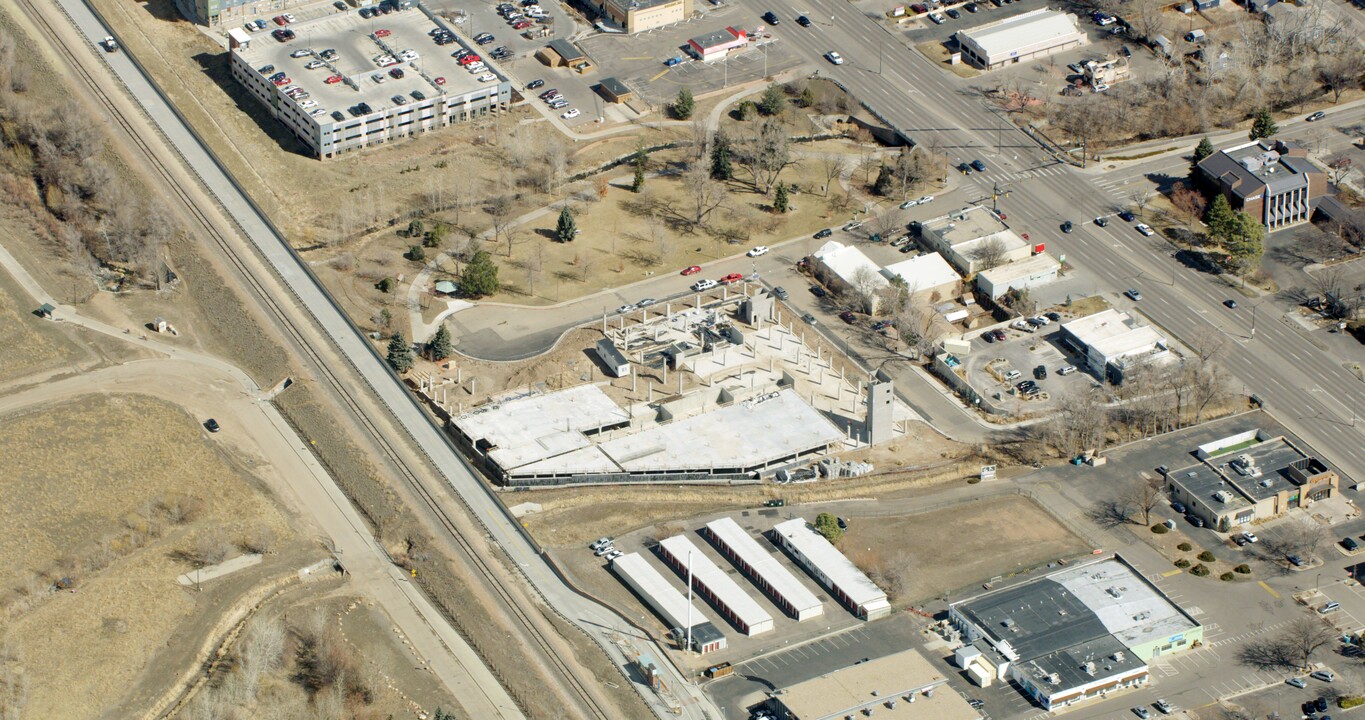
(926, 272)
(667, 601)
(763, 564)
(718, 583)
(841, 571)
(846, 261)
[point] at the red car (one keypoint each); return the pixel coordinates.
(282, 82)
(381, 33)
(693, 270)
(333, 80)
(440, 81)
(731, 278)
(279, 20)
(469, 59)
(522, 25)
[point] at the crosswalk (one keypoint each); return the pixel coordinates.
(1116, 188)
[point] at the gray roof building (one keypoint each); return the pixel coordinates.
(1270, 179)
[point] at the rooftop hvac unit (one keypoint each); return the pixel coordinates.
(1054, 679)
(1223, 496)
(1118, 656)
(1089, 668)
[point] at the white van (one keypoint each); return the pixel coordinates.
(704, 284)
(1323, 675)
(1012, 375)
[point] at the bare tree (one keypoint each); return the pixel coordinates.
(833, 167)
(1340, 165)
(705, 194)
(1140, 199)
(765, 154)
(866, 283)
(1305, 636)
(1189, 203)
(1145, 495)
(499, 210)
(886, 223)
(989, 254)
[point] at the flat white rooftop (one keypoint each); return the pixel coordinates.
(718, 582)
(667, 601)
(763, 564)
(745, 434)
(841, 571)
(926, 272)
(1021, 269)
(847, 691)
(1039, 28)
(537, 427)
(846, 260)
(1129, 608)
(1113, 334)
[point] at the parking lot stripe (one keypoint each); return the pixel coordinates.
(661, 74)
(1172, 573)
(1268, 589)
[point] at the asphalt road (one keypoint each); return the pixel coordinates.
(384, 386)
(1305, 387)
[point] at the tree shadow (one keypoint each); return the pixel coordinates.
(1110, 514)
(1268, 654)
(1165, 183)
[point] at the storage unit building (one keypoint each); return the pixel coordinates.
(612, 359)
(766, 571)
(1032, 35)
(713, 584)
(670, 605)
(830, 568)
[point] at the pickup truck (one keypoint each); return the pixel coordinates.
(109, 44)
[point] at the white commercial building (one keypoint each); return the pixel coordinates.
(713, 584)
(925, 276)
(671, 606)
(336, 98)
(766, 571)
(1029, 36)
(969, 237)
(846, 270)
(831, 569)
(1112, 340)
(1032, 272)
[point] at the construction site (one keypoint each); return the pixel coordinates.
(722, 388)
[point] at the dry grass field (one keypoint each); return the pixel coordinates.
(107, 494)
(941, 551)
(30, 345)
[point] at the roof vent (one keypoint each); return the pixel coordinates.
(1118, 656)
(1089, 668)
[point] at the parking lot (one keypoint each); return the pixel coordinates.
(992, 366)
(638, 60)
(355, 75)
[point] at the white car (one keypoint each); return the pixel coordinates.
(486, 77)
(289, 17)
(1145, 229)
(314, 65)
(834, 57)
(408, 55)
(379, 78)
(305, 104)
(936, 17)
(926, 199)
(570, 114)
(1100, 87)
(386, 61)
(629, 307)
(760, 250)
(477, 67)
(318, 112)
(920, 201)
(1250, 537)
(703, 284)
(301, 52)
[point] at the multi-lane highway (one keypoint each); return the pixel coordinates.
(1305, 387)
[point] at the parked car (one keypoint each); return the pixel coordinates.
(851, 226)
(570, 114)
(821, 234)
(1323, 675)
(1141, 712)
(937, 18)
(970, 7)
(1330, 607)
(732, 278)
(212, 425)
(704, 284)
(780, 293)
(1297, 682)
(760, 250)
(535, 84)
(1040, 372)
(848, 317)
(953, 13)
(1163, 706)
(809, 319)
(1145, 229)
(1250, 537)
(818, 291)
(691, 270)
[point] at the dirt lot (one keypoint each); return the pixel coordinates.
(108, 509)
(31, 345)
(941, 551)
(572, 516)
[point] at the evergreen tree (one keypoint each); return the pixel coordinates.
(439, 347)
(747, 110)
(828, 525)
(416, 253)
(567, 228)
(1201, 151)
(883, 184)
(1263, 125)
(480, 276)
(400, 355)
(1219, 218)
(1246, 241)
(780, 201)
(773, 100)
(684, 105)
(641, 159)
(807, 97)
(721, 169)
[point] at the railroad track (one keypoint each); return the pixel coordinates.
(321, 367)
